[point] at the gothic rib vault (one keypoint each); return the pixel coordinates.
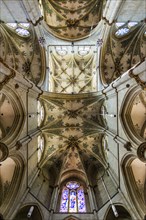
(72, 109)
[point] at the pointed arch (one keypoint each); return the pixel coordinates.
(10, 182)
(72, 197)
(71, 217)
(23, 212)
(132, 114)
(13, 119)
(135, 181)
(123, 213)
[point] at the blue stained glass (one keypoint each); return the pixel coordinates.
(64, 200)
(122, 31)
(81, 200)
(132, 24)
(73, 201)
(72, 185)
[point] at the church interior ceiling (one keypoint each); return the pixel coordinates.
(125, 46)
(20, 50)
(72, 20)
(67, 135)
(72, 69)
(70, 121)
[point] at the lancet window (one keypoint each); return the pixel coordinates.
(73, 198)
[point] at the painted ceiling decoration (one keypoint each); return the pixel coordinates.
(72, 166)
(125, 46)
(72, 19)
(20, 50)
(72, 121)
(72, 69)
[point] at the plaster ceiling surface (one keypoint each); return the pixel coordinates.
(138, 112)
(20, 50)
(72, 69)
(72, 20)
(132, 10)
(12, 15)
(125, 46)
(72, 121)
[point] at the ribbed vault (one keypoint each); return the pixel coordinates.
(124, 47)
(72, 20)
(72, 120)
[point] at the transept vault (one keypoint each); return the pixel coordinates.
(72, 110)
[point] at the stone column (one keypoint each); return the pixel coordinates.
(92, 201)
(27, 138)
(54, 201)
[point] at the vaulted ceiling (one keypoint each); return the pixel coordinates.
(72, 69)
(99, 38)
(73, 121)
(72, 20)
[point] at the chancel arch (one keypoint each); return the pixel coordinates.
(134, 173)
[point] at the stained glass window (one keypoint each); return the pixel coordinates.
(64, 200)
(72, 185)
(81, 200)
(20, 28)
(73, 199)
(22, 32)
(40, 110)
(119, 24)
(124, 28)
(122, 31)
(132, 24)
(40, 147)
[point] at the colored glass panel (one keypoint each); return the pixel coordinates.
(132, 24)
(81, 200)
(73, 201)
(12, 25)
(24, 25)
(122, 32)
(64, 200)
(22, 32)
(72, 185)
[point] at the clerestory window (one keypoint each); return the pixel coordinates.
(73, 198)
